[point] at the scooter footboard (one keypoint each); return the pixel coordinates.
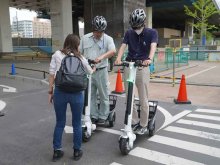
(112, 102)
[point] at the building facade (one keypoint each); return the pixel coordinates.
(37, 28)
(41, 28)
(22, 28)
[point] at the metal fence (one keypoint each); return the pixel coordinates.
(164, 60)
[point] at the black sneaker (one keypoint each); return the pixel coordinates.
(141, 130)
(57, 154)
(77, 154)
(2, 114)
(94, 120)
(101, 122)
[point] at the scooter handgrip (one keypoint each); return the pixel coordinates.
(91, 61)
(122, 64)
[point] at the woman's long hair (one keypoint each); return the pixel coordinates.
(71, 45)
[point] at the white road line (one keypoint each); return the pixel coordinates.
(69, 129)
(198, 123)
(166, 114)
(204, 117)
(45, 82)
(162, 158)
(174, 118)
(8, 89)
(192, 75)
(114, 163)
(116, 132)
(168, 117)
(208, 111)
(200, 134)
(195, 147)
(2, 105)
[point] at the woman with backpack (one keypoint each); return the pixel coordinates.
(61, 98)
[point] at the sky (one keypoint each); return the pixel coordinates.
(218, 3)
(27, 15)
(22, 14)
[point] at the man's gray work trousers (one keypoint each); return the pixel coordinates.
(100, 85)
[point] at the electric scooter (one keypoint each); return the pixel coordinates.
(126, 140)
(87, 126)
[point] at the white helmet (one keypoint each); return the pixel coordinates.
(99, 23)
(137, 18)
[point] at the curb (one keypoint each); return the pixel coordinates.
(27, 79)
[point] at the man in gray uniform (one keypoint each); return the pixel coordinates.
(99, 46)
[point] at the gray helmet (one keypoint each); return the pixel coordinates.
(99, 23)
(137, 18)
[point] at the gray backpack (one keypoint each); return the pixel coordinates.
(71, 76)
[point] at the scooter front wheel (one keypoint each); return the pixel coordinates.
(124, 146)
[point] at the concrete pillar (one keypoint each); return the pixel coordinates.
(75, 17)
(76, 26)
(189, 28)
(149, 17)
(5, 28)
(61, 22)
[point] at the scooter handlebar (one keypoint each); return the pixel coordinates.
(137, 63)
(122, 64)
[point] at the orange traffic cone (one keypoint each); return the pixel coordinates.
(119, 86)
(182, 96)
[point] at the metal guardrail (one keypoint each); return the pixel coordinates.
(209, 51)
(170, 58)
(165, 77)
(36, 70)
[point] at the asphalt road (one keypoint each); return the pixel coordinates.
(186, 134)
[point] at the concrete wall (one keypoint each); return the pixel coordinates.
(30, 41)
(168, 33)
(116, 12)
(164, 42)
(129, 6)
(112, 10)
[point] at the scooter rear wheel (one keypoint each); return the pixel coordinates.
(152, 131)
(112, 120)
(124, 146)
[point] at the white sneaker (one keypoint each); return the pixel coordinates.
(141, 130)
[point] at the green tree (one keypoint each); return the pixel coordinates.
(201, 12)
